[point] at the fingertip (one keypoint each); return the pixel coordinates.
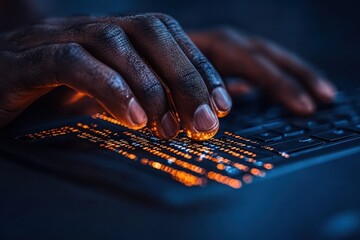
(303, 105)
(205, 119)
(137, 115)
(205, 124)
(326, 90)
(169, 126)
(222, 101)
(236, 88)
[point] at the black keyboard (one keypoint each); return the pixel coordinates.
(255, 142)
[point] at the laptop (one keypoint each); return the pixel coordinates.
(258, 141)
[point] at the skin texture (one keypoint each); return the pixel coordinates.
(144, 70)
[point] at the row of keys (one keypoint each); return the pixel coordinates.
(331, 135)
(278, 137)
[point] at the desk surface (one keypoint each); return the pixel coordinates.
(301, 205)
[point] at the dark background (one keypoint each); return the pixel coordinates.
(321, 202)
(324, 32)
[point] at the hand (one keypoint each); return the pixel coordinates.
(143, 69)
(279, 72)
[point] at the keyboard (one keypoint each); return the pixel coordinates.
(255, 142)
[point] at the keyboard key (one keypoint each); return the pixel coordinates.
(340, 122)
(342, 109)
(297, 144)
(310, 124)
(354, 127)
(267, 136)
(273, 124)
(350, 116)
(324, 117)
(289, 130)
(333, 135)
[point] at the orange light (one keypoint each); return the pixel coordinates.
(268, 166)
(257, 172)
(220, 166)
(75, 98)
(231, 182)
(183, 177)
(241, 167)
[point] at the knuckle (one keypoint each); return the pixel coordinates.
(115, 83)
(149, 23)
(188, 74)
(205, 68)
(190, 79)
(107, 32)
(170, 22)
(165, 17)
(199, 60)
(109, 35)
(105, 84)
(68, 53)
(152, 90)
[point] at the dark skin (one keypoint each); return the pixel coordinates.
(146, 71)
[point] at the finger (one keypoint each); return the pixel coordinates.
(233, 56)
(109, 44)
(238, 87)
(71, 65)
(188, 90)
(207, 116)
(283, 87)
(212, 79)
(319, 86)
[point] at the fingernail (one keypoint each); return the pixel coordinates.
(169, 125)
(326, 89)
(221, 99)
(137, 114)
(205, 119)
(304, 104)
